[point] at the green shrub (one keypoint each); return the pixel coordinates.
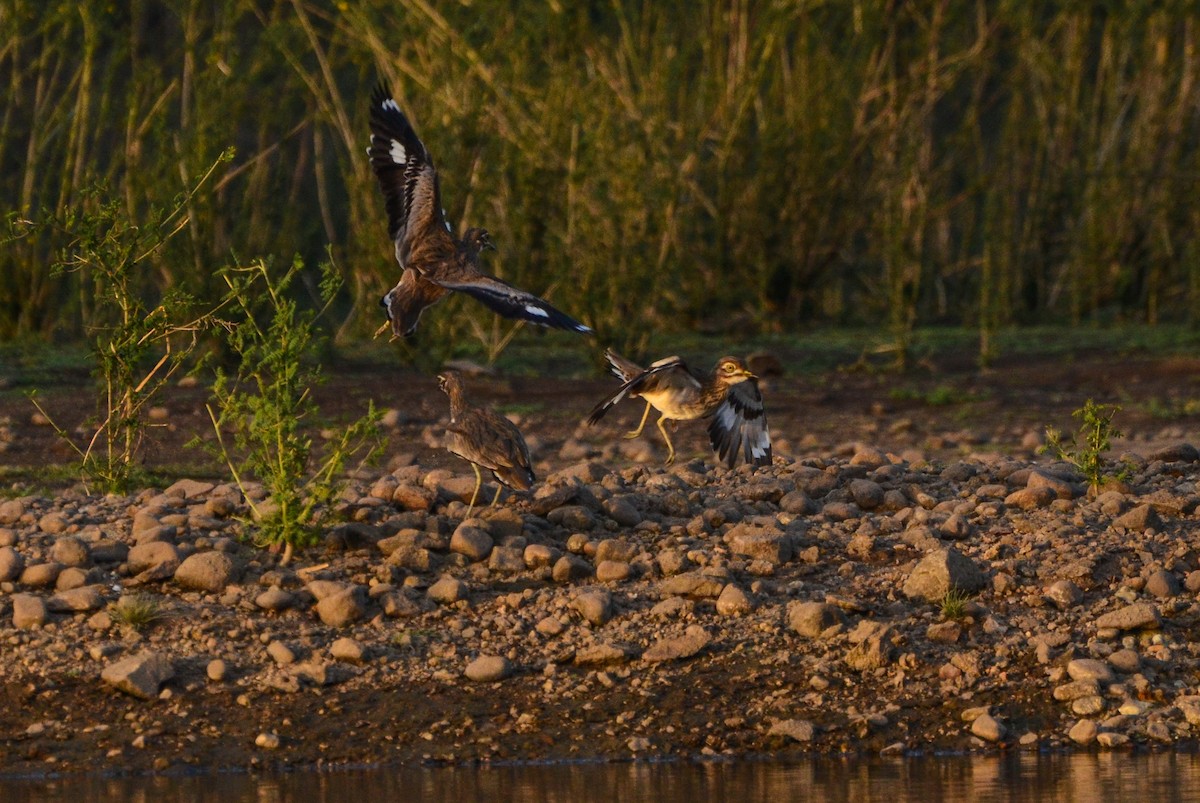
(1086, 450)
(266, 405)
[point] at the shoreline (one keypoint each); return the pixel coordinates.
(637, 613)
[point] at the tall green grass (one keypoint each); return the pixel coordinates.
(727, 166)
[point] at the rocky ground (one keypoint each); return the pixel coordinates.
(907, 576)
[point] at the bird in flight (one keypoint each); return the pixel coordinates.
(433, 262)
(729, 400)
(485, 440)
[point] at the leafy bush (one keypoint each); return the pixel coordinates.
(266, 404)
(137, 344)
(1086, 453)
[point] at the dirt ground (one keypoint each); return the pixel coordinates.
(941, 411)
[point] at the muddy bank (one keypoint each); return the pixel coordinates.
(620, 610)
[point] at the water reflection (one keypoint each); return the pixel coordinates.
(1015, 777)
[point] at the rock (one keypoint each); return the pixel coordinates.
(595, 606)
(956, 528)
(1131, 617)
(1043, 479)
(602, 654)
(348, 650)
(944, 632)
(447, 590)
(70, 551)
(622, 511)
(216, 670)
(53, 523)
(29, 611)
(346, 606)
(207, 571)
(941, 571)
(1138, 520)
(471, 541)
(275, 599)
(40, 575)
(153, 555)
(1064, 594)
(569, 568)
(1090, 669)
(11, 511)
(867, 494)
(798, 730)
(281, 653)
(1083, 732)
(613, 571)
(873, 646)
(488, 669)
(268, 740)
(189, 489)
(76, 600)
(11, 564)
(733, 602)
(692, 584)
(988, 728)
(1176, 453)
(811, 619)
(141, 675)
(538, 555)
(1030, 498)
(1126, 661)
(1163, 584)
(758, 543)
(1111, 739)
(694, 639)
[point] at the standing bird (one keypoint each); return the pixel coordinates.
(484, 439)
(730, 400)
(432, 260)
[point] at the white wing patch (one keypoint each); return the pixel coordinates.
(532, 310)
(399, 155)
(391, 105)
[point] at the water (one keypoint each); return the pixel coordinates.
(1149, 777)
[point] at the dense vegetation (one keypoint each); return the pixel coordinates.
(741, 166)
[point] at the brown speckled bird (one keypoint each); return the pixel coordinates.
(485, 439)
(730, 400)
(432, 260)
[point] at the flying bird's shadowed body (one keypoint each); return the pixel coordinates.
(433, 262)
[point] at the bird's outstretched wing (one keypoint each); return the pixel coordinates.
(513, 302)
(406, 176)
(739, 425)
(620, 367)
(671, 370)
(405, 302)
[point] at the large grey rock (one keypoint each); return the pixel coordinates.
(11, 511)
(1131, 617)
(70, 551)
(207, 571)
(40, 575)
(594, 605)
(141, 675)
(694, 639)
(75, 600)
(811, 619)
(758, 543)
(692, 584)
(11, 564)
(941, 571)
(1141, 518)
(29, 611)
(471, 541)
(153, 555)
(488, 669)
(447, 590)
(346, 606)
(798, 730)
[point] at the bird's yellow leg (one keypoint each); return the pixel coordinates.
(667, 438)
(496, 498)
(475, 493)
(642, 425)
